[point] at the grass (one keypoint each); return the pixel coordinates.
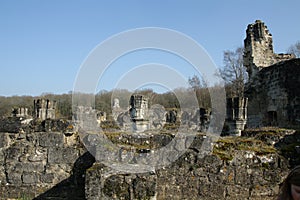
(225, 148)
(24, 197)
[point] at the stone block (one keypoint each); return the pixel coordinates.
(10, 125)
(29, 167)
(144, 186)
(4, 140)
(1, 157)
(47, 178)
(238, 192)
(2, 175)
(14, 177)
(52, 139)
(66, 155)
(14, 152)
(116, 187)
(30, 178)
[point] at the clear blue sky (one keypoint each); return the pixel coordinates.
(43, 43)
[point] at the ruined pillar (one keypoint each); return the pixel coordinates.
(44, 109)
(139, 112)
(236, 114)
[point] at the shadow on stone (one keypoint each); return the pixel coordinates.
(74, 186)
(289, 148)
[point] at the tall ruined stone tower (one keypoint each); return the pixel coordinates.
(258, 49)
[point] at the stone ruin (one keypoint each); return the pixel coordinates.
(258, 49)
(44, 109)
(20, 112)
(101, 117)
(236, 114)
(44, 164)
(138, 117)
(172, 116)
(139, 113)
(197, 120)
(274, 79)
(88, 118)
(138, 108)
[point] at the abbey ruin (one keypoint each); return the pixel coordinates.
(272, 90)
(45, 157)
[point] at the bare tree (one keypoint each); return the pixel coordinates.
(200, 87)
(233, 72)
(295, 49)
(195, 82)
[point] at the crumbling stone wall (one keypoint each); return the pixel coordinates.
(274, 96)
(193, 176)
(273, 79)
(45, 163)
(31, 163)
(258, 49)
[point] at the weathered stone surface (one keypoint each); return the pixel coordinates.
(29, 167)
(34, 162)
(66, 155)
(54, 139)
(272, 89)
(116, 185)
(44, 109)
(47, 177)
(10, 125)
(247, 176)
(274, 97)
(4, 140)
(192, 176)
(14, 177)
(30, 178)
(258, 51)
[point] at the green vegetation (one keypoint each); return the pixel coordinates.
(260, 141)
(24, 197)
(226, 147)
(171, 126)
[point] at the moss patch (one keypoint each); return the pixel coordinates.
(226, 147)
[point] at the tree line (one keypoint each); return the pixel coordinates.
(233, 73)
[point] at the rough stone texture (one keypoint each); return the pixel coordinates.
(11, 125)
(274, 96)
(248, 175)
(47, 165)
(236, 114)
(272, 89)
(34, 162)
(191, 177)
(138, 107)
(113, 185)
(20, 112)
(44, 109)
(258, 46)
